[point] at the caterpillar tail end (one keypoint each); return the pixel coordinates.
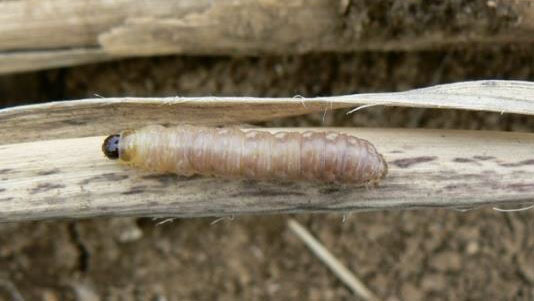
(110, 147)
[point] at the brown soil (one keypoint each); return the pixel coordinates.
(480, 254)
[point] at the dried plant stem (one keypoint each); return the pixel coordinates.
(51, 33)
(71, 178)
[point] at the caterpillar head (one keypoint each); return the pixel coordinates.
(110, 147)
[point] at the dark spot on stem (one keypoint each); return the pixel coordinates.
(107, 177)
(407, 162)
(48, 172)
(522, 187)
(465, 160)
(520, 163)
(135, 190)
(329, 190)
(169, 179)
(483, 158)
(456, 186)
(44, 187)
(4, 171)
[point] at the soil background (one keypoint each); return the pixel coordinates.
(429, 254)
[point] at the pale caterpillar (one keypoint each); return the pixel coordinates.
(249, 154)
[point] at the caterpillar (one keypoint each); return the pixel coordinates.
(249, 154)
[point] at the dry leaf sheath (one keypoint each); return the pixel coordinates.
(100, 116)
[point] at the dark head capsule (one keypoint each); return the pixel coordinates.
(110, 147)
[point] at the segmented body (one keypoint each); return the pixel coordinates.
(253, 154)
